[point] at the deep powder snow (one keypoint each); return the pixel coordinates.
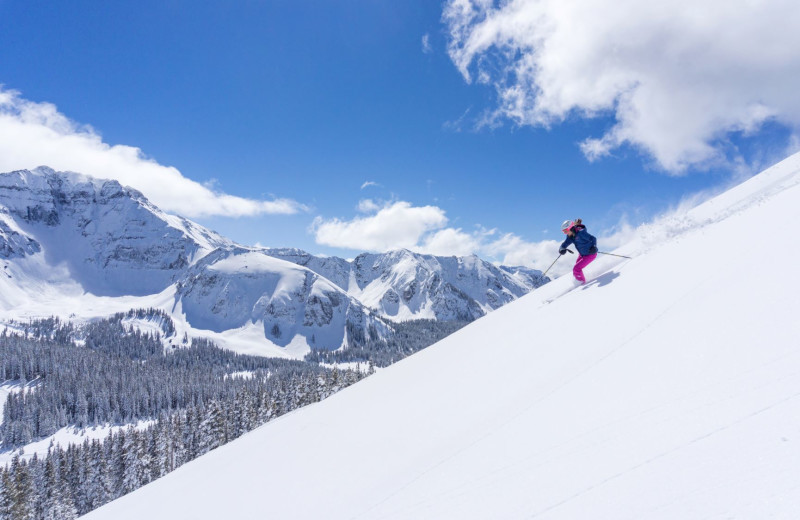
(668, 387)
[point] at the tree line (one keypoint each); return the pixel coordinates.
(183, 402)
(408, 337)
(119, 376)
(169, 404)
(72, 481)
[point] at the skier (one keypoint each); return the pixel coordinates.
(585, 243)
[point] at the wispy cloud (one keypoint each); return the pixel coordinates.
(678, 81)
(367, 184)
(34, 134)
(457, 125)
(427, 48)
(368, 206)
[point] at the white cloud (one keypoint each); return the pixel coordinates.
(367, 184)
(679, 77)
(451, 242)
(34, 134)
(511, 249)
(395, 225)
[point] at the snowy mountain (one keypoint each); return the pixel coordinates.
(112, 239)
(667, 387)
(79, 247)
(228, 289)
(404, 285)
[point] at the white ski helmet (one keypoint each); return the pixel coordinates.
(567, 225)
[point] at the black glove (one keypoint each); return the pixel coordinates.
(593, 250)
(562, 251)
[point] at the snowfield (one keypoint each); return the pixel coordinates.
(667, 388)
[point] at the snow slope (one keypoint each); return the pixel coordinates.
(668, 387)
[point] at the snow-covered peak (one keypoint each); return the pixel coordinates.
(402, 284)
(110, 237)
(294, 307)
(337, 270)
(44, 187)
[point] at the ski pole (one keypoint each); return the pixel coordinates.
(612, 254)
(554, 262)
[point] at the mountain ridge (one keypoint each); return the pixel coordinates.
(76, 245)
(390, 281)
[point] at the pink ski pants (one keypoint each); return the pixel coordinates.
(582, 262)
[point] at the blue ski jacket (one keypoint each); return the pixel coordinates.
(585, 243)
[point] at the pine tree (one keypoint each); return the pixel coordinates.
(23, 494)
(179, 452)
(131, 463)
(160, 446)
(81, 411)
(98, 484)
(116, 463)
(193, 434)
(6, 501)
(51, 499)
(214, 428)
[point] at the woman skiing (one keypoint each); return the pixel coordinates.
(585, 243)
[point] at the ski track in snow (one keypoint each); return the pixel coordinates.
(651, 460)
(487, 479)
(577, 376)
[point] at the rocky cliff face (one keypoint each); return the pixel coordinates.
(15, 243)
(113, 240)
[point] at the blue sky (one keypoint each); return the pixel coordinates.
(354, 114)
